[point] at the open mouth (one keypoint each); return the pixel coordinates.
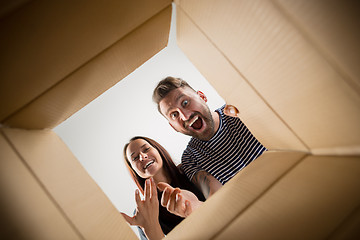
(196, 123)
(149, 164)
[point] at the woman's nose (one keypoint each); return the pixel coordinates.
(143, 156)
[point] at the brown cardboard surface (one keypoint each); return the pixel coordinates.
(349, 229)
(46, 42)
(27, 211)
(287, 70)
(333, 26)
(310, 202)
(98, 75)
(74, 191)
(236, 196)
(259, 117)
(9, 6)
(294, 79)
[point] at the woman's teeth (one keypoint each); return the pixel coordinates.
(148, 164)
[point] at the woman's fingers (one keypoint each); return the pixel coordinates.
(173, 199)
(130, 220)
(165, 197)
(188, 208)
(166, 189)
(147, 189)
(171, 205)
(150, 190)
(147, 211)
(138, 198)
(163, 185)
(153, 190)
(180, 204)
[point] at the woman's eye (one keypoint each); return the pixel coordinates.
(185, 102)
(135, 158)
(146, 149)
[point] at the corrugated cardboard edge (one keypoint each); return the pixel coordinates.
(68, 185)
(46, 41)
(27, 209)
(237, 196)
(85, 84)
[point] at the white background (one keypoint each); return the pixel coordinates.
(97, 133)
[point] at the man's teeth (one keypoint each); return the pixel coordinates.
(148, 164)
(194, 120)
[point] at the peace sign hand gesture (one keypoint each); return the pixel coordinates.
(147, 211)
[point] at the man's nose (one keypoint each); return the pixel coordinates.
(184, 115)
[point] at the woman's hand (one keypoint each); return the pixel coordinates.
(147, 211)
(177, 201)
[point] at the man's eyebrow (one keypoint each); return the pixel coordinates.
(176, 100)
(134, 152)
(178, 97)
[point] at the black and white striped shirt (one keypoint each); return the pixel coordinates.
(231, 149)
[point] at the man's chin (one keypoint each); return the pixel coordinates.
(194, 134)
(204, 136)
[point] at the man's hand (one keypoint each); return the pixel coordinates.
(177, 201)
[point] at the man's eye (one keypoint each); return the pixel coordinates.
(185, 102)
(135, 158)
(174, 115)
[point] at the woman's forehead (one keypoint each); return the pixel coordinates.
(135, 145)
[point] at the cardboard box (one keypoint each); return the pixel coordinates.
(57, 57)
(291, 67)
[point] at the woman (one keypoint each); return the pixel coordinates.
(149, 164)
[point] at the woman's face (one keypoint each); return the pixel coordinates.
(144, 158)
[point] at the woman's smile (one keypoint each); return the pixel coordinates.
(148, 164)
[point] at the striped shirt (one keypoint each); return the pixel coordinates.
(231, 149)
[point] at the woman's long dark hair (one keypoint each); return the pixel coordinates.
(173, 172)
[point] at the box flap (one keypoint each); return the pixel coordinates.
(69, 185)
(285, 64)
(71, 44)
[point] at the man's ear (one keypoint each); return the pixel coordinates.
(173, 127)
(202, 95)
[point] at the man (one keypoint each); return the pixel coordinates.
(221, 145)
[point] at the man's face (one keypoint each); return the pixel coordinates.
(188, 113)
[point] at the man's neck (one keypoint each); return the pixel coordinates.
(216, 117)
